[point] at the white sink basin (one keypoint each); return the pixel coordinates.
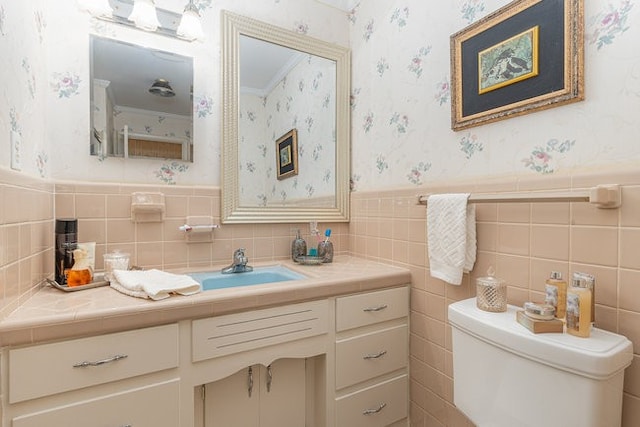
(259, 275)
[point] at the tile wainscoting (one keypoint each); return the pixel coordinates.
(524, 242)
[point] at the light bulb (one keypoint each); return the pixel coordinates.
(190, 27)
(144, 15)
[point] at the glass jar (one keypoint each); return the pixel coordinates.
(491, 293)
(115, 260)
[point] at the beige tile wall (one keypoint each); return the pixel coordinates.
(104, 216)
(26, 236)
(103, 211)
(524, 242)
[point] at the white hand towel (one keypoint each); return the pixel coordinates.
(154, 284)
(451, 234)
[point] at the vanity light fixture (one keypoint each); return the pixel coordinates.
(190, 27)
(145, 15)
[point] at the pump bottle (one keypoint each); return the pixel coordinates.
(298, 247)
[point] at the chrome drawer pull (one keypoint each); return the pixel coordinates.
(100, 362)
(378, 308)
(374, 411)
(378, 355)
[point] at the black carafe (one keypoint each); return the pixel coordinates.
(66, 242)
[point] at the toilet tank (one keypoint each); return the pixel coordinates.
(506, 376)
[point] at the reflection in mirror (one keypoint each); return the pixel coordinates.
(276, 82)
(141, 102)
(281, 90)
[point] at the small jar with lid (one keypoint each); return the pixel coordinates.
(115, 260)
(491, 293)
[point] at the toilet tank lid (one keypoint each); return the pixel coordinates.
(600, 356)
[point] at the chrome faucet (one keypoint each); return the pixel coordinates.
(239, 264)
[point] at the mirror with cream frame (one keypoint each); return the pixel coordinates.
(306, 94)
(141, 101)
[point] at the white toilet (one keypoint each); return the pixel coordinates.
(506, 376)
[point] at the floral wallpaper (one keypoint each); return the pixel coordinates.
(303, 100)
(401, 99)
(46, 46)
(400, 102)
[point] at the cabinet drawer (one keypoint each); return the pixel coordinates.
(365, 309)
(367, 356)
(376, 406)
(47, 369)
(233, 333)
(157, 405)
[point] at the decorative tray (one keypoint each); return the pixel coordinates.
(99, 281)
(309, 260)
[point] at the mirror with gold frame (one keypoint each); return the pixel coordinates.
(251, 190)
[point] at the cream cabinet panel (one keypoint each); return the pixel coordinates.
(372, 307)
(259, 396)
(157, 405)
(227, 401)
(46, 369)
(283, 394)
(233, 333)
(371, 358)
(376, 406)
(370, 355)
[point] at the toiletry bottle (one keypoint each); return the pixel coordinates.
(590, 283)
(66, 240)
(578, 310)
(298, 247)
(586, 280)
(556, 293)
(81, 273)
(325, 248)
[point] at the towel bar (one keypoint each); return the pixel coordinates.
(603, 196)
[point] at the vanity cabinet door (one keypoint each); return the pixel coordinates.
(227, 401)
(157, 405)
(282, 399)
(277, 397)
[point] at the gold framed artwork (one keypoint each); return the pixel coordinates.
(524, 57)
(287, 154)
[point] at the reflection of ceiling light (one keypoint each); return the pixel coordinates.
(144, 15)
(161, 87)
(190, 27)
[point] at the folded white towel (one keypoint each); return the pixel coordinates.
(451, 234)
(154, 284)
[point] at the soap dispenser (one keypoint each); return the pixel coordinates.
(298, 247)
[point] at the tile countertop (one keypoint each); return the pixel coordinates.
(53, 314)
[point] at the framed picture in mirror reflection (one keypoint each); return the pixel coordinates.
(287, 154)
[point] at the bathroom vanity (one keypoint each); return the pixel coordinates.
(328, 350)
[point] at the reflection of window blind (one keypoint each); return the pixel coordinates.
(158, 149)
